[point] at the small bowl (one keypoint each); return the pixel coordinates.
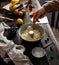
(38, 52)
(20, 48)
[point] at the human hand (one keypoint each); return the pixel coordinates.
(39, 14)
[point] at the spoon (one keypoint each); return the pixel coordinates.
(33, 24)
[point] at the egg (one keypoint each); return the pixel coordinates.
(16, 12)
(23, 10)
(20, 13)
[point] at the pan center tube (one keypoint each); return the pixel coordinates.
(31, 33)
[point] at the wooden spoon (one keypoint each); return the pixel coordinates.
(33, 24)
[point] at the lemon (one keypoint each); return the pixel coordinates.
(19, 21)
(14, 1)
(14, 7)
(11, 7)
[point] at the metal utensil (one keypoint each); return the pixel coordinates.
(6, 18)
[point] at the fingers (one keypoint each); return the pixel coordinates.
(34, 17)
(39, 14)
(37, 17)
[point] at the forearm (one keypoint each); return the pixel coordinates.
(51, 6)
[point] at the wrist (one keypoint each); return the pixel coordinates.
(43, 9)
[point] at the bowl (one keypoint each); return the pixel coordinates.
(38, 52)
(24, 26)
